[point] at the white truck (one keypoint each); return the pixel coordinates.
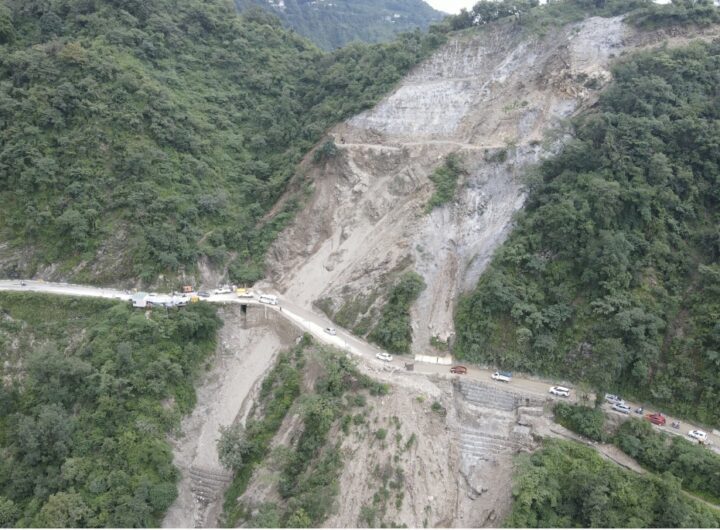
(268, 299)
(502, 376)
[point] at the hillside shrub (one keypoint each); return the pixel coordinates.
(393, 330)
(583, 420)
(445, 178)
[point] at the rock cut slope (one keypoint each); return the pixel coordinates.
(492, 96)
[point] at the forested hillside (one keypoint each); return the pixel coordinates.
(138, 137)
(90, 390)
(568, 485)
(612, 274)
(334, 23)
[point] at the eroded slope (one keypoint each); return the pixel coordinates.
(492, 97)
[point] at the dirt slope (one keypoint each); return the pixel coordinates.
(491, 96)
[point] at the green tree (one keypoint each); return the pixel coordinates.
(7, 30)
(63, 510)
(232, 446)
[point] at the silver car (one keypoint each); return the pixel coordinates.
(621, 407)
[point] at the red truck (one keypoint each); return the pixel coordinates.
(657, 418)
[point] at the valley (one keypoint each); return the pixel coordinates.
(416, 198)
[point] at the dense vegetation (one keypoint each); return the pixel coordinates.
(582, 419)
(612, 274)
(445, 178)
(310, 466)
(335, 23)
(393, 330)
(679, 12)
(87, 399)
(568, 485)
(697, 467)
(137, 137)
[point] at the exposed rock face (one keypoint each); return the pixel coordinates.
(492, 97)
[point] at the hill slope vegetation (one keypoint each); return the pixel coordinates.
(137, 138)
(611, 275)
(90, 389)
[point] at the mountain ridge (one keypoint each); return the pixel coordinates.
(336, 23)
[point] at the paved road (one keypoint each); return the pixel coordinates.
(316, 324)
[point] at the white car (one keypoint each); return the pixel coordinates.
(621, 407)
(225, 289)
(612, 399)
(384, 357)
(560, 391)
(700, 436)
(330, 331)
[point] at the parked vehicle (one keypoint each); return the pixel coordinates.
(502, 376)
(656, 418)
(242, 292)
(700, 436)
(458, 370)
(204, 294)
(330, 331)
(225, 289)
(621, 407)
(560, 391)
(383, 356)
(612, 399)
(268, 299)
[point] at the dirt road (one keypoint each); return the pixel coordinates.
(316, 324)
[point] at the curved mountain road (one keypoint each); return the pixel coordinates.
(316, 324)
